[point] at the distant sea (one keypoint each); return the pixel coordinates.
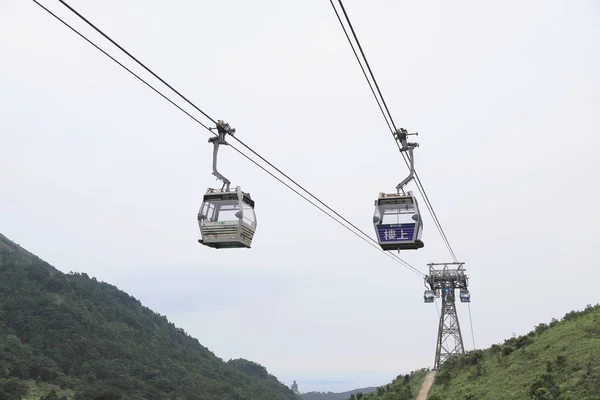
(337, 383)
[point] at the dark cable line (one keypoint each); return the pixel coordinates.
(434, 215)
(471, 322)
(367, 63)
(394, 257)
(135, 59)
(361, 66)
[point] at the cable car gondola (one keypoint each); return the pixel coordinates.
(226, 217)
(465, 296)
(398, 222)
(428, 296)
(397, 219)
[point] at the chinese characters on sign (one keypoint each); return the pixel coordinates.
(396, 233)
(390, 234)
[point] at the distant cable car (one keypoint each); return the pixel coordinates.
(226, 217)
(397, 219)
(465, 296)
(428, 296)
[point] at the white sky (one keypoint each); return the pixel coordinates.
(98, 174)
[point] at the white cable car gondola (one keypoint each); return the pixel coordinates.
(397, 219)
(226, 217)
(428, 296)
(465, 296)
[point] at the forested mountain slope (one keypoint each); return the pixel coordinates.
(89, 340)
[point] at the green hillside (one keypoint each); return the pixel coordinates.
(335, 396)
(404, 387)
(560, 360)
(68, 336)
(556, 361)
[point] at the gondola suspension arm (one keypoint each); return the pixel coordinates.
(401, 136)
(223, 129)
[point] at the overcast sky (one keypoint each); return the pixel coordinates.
(99, 174)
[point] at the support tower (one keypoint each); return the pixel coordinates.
(443, 280)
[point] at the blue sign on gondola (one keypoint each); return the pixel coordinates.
(396, 232)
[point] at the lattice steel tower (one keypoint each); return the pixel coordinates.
(443, 280)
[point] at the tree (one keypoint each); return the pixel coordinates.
(52, 395)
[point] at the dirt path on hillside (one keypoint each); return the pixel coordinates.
(426, 385)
